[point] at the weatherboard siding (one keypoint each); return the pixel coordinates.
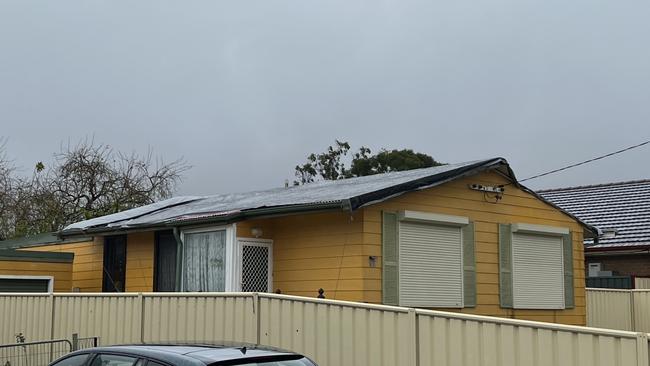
(322, 250)
(62, 272)
(139, 261)
(87, 264)
(517, 206)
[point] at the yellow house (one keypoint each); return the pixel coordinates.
(461, 237)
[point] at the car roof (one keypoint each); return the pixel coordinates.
(191, 354)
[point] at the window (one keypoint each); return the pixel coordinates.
(428, 260)
(165, 262)
(204, 261)
(76, 360)
(430, 265)
(113, 360)
(114, 264)
(536, 267)
(14, 283)
(212, 259)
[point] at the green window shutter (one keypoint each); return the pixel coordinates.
(390, 256)
(469, 266)
(567, 246)
(505, 265)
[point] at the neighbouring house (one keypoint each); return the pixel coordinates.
(461, 237)
(34, 271)
(621, 212)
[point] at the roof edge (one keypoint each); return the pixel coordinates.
(35, 256)
(598, 185)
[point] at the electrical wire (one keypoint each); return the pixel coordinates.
(586, 161)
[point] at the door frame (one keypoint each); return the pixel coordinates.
(257, 242)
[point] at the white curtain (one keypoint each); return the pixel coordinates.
(204, 261)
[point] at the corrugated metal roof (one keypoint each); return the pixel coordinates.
(346, 193)
(624, 207)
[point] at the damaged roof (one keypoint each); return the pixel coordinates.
(621, 211)
(346, 194)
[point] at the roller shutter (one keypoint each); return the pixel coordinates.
(538, 271)
(430, 265)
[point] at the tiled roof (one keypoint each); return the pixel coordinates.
(623, 207)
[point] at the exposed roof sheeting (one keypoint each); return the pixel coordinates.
(624, 207)
(351, 193)
(348, 194)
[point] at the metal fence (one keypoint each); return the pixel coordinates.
(642, 283)
(331, 332)
(41, 353)
(34, 353)
(619, 309)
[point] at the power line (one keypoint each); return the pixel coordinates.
(586, 161)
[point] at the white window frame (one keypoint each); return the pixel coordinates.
(231, 256)
(50, 279)
(253, 242)
(541, 230)
(436, 219)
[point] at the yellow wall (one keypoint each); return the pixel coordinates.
(62, 272)
(517, 206)
(322, 250)
(139, 262)
(87, 266)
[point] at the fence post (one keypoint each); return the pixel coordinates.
(51, 300)
(642, 349)
(256, 317)
(75, 341)
(632, 316)
(413, 329)
(141, 308)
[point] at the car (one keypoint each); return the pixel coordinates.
(181, 355)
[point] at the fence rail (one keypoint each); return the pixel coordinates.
(329, 331)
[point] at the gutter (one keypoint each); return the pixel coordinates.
(617, 249)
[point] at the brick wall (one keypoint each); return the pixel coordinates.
(624, 265)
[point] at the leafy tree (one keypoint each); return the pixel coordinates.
(330, 165)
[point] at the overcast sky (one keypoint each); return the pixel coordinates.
(244, 90)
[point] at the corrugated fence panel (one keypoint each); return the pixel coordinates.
(200, 317)
(30, 315)
(338, 333)
(641, 299)
(642, 283)
(450, 339)
(608, 308)
(115, 318)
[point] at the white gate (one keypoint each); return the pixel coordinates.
(255, 264)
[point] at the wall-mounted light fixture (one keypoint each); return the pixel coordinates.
(372, 261)
(256, 232)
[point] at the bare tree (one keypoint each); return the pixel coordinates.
(89, 180)
(7, 182)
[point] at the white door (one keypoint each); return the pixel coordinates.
(255, 265)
